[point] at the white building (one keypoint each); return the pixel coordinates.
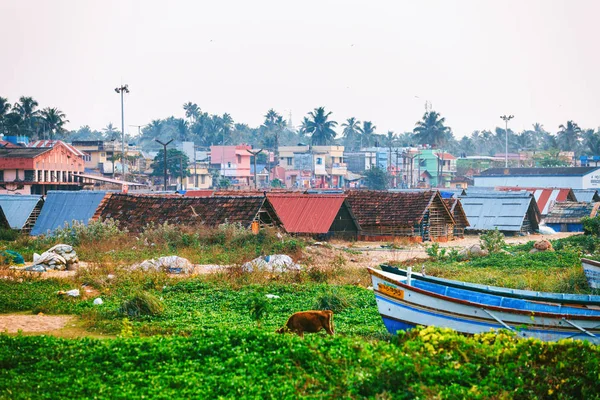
(562, 177)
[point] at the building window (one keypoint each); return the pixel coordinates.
(87, 157)
(289, 161)
(203, 179)
(102, 154)
(229, 165)
(1, 176)
(319, 161)
(423, 163)
(29, 175)
(239, 159)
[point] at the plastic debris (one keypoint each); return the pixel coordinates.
(13, 257)
(98, 301)
(272, 263)
(272, 296)
(59, 257)
(170, 264)
(72, 293)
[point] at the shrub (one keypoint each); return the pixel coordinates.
(591, 226)
(142, 304)
(77, 232)
(258, 305)
(8, 235)
(332, 300)
(492, 241)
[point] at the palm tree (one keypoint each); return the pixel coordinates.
(53, 120)
(351, 132)
(192, 111)
(431, 129)
(4, 110)
(26, 108)
(303, 130)
(568, 136)
(320, 128)
(592, 141)
(110, 131)
(368, 131)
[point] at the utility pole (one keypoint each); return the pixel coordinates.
(506, 119)
(122, 89)
(165, 160)
(255, 153)
(396, 175)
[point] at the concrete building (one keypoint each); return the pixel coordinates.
(563, 177)
(98, 156)
(324, 164)
(440, 167)
(233, 163)
(35, 170)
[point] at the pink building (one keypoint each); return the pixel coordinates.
(35, 170)
(233, 163)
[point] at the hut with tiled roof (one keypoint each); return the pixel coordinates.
(458, 213)
(134, 212)
(418, 216)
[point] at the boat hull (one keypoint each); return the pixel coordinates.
(591, 269)
(403, 307)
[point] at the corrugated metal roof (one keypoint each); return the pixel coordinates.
(556, 171)
(306, 213)
(63, 206)
(544, 197)
(18, 208)
(507, 213)
(586, 195)
(571, 212)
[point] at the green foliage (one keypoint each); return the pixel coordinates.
(492, 241)
(78, 233)
(591, 226)
(276, 183)
(376, 179)
(229, 363)
(332, 299)
(142, 304)
(8, 235)
(258, 305)
(177, 163)
(223, 183)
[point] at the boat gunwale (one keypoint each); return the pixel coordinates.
(524, 296)
(477, 305)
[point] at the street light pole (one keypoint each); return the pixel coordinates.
(165, 160)
(122, 89)
(255, 153)
(506, 119)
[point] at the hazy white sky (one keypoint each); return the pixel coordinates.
(374, 60)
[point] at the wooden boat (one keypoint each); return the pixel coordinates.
(591, 269)
(404, 303)
(584, 300)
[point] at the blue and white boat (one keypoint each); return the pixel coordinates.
(405, 303)
(583, 300)
(591, 269)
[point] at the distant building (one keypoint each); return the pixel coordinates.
(233, 163)
(563, 177)
(101, 156)
(35, 170)
(441, 166)
(313, 166)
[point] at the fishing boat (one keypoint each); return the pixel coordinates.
(405, 303)
(582, 300)
(591, 269)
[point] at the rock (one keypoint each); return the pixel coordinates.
(169, 264)
(543, 245)
(272, 263)
(72, 292)
(474, 250)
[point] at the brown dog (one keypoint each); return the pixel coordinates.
(309, 321)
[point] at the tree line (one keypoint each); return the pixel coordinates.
(318, 127)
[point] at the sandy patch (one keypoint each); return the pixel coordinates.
(33, 323)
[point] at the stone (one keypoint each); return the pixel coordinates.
(543, 245)
(272, 263)
(473, 250)
(169, 264)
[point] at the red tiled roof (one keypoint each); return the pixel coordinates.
(445, 156)
(136, 211)
(52, 143)
(305, 213)
(382, 208)
(199, 193)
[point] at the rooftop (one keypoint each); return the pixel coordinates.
(558, 171)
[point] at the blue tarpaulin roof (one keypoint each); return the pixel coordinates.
(18, 208)
(64, 206)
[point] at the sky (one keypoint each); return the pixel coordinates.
(374, 60)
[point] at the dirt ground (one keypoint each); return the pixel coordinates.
(13, 323)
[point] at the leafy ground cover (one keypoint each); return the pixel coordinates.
(253, 363)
